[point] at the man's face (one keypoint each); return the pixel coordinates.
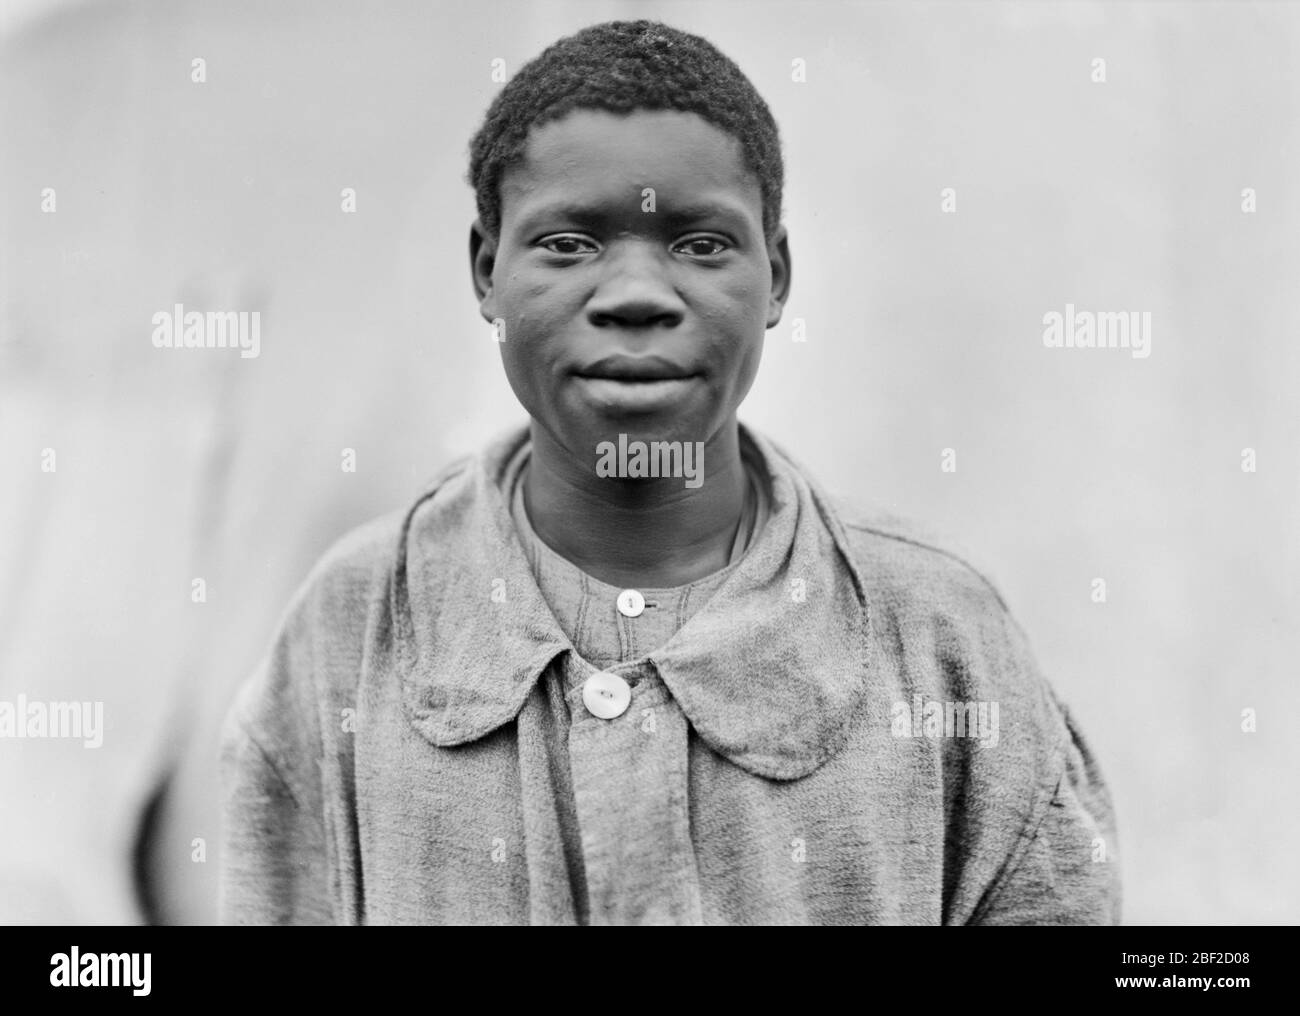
(632, 277)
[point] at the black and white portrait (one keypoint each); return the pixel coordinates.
(648, 463)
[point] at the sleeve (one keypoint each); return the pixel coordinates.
(275, 859)
(1068, 872)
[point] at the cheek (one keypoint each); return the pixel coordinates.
(534, 313)
(742, 328)
(737, 314)
(747, 290)
(533, 309)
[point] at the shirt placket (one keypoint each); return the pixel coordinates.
(628, 742)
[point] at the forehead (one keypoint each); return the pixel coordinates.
(597, 157)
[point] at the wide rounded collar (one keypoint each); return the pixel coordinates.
(771, 671)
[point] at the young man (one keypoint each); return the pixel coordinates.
(630, 664)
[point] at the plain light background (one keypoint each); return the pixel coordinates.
(923, 333)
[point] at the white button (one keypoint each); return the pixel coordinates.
(606, 695)
(630, 603)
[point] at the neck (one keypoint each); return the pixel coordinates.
(637, 533)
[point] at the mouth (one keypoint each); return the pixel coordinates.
(643, 384)
(634, 370)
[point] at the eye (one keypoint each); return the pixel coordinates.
(568, 244)
(702, 246)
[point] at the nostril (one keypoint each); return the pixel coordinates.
(634, 317)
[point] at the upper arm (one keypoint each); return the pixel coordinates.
(1068, 872)
(275, 858)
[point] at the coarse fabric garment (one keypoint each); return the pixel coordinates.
(845, 726)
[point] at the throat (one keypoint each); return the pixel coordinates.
(641, 534)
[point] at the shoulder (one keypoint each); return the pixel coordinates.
(944, 622)
(331, 607)
(353, 567)
(354, 573)
(321, 636)
(947, 636)
(908, 561)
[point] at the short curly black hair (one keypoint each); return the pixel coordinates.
(622, 66)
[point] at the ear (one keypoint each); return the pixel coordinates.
(778, 255)
(482, 259)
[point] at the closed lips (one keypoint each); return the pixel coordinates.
(634, 369)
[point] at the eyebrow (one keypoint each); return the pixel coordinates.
(722, 210)
(585, 213)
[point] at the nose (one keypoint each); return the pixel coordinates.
(635, 290)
